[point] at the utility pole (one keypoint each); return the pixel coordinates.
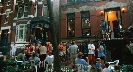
(57, 65)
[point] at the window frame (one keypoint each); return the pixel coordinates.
(17, 37)
(20, 12)
(9, 2)
(86, 17)
(25, 10)
(7, 13)
(73, 18)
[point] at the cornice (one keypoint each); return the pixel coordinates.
(111, 4)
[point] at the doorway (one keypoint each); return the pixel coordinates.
(113, 19)
(4, 37)
(37, 32)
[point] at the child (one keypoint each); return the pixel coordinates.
(106, 69)
(99, 65)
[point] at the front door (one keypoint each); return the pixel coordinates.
(4, 37)
(113, 19)
(37, 32)
(116, 28)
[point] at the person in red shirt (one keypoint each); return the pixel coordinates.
(48, 47)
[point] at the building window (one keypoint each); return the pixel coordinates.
(21, 31)
(85, 20)
(9, 2)
(71, 25)
(7, 17)
(19, 12)
(45, 11)
(26, 11)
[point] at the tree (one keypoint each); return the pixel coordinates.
(130, 8)
(56, 4)
(57, 65)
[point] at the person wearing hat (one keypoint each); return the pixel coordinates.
(79, 60)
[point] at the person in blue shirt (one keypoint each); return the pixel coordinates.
(101, 54)
(99, 65)
(79, 60)
(103, 27)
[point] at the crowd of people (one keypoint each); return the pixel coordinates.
(34, 51)
(68, 51)
(74, 56)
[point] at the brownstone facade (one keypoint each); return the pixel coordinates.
(16, 17)
(97, 9)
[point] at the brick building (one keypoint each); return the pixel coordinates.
(81, 18)
(20, 18)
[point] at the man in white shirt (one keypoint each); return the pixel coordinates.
(13, 49)
(49, 59)
(91, 52)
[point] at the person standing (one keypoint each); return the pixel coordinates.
(60, 46)
(128, 54)
(21, 56)
(103, 27)
(43, 52)
(32, 38)
(13, 49)
(73, 49)
(101, 54)
(49, 48)
(91, 52)
(79, 60)
(99, 65)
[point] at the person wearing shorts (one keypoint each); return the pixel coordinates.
(101, 54)
(91, 52)
(73, 49)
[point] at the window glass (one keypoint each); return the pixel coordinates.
(21, 33)
(71, 25)
(85, 23)
(19, 12)
(8, 2)
(26, 11)
(86, 26)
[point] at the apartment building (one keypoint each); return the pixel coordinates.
(80, 19)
